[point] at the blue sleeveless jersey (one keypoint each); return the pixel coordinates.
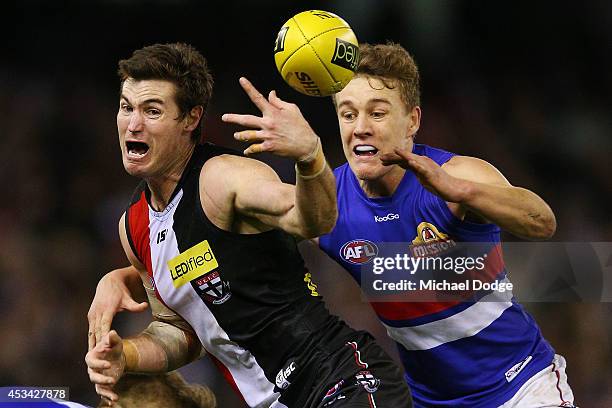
(475, 354)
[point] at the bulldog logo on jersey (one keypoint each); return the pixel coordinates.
(211, 288)
(430, 241)
(358, 251)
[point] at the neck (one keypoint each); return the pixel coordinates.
(384, 186)
(162, 187)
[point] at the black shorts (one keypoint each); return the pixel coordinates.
(359, 374)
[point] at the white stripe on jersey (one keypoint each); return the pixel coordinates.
(466, 323)
(249, 377)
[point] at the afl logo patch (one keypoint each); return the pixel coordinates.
(358, 251)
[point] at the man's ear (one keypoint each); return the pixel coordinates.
(415, 121)
(193, 118)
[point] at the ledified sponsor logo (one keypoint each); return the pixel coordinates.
(192, 263)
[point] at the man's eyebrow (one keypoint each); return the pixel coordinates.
(379, 100)
(146, 101)
(345, 103)
(369, 102)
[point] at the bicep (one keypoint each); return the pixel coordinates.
(249, 188)
(476, 170)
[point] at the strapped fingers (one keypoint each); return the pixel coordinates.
(256, 148)
(249, 136)
(256, 97)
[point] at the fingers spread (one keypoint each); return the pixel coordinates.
(256, 97)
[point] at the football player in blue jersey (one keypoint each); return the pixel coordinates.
(456, 354)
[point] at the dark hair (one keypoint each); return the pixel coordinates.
(392, 64)
(178, 63)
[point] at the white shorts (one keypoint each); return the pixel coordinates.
(547, 388)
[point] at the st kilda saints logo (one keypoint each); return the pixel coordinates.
(212, 288)
(367, 381)
(358, 251)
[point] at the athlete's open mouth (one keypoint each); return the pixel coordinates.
(137, 148)
(365, 150)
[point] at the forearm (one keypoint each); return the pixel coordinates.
(516, 210)
(131, 279)
(160, 348)
(315, 195)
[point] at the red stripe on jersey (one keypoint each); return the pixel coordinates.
(412, 308)
(138, 220)
(409, 310)
(227, 374)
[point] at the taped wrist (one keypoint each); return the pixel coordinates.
(313, 165)
(161, 347)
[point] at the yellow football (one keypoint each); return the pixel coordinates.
(316, 53)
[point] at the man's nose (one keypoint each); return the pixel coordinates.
(362, 126)
(136, 122)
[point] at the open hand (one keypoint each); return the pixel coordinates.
(281, 129)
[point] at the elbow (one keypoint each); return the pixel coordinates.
(545, 229)
(325, 225)
(549, 228)
(328, 224)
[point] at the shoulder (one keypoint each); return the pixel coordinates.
(227, 166)
(474, 169)
(437, 155)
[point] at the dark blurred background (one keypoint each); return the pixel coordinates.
(525, 85)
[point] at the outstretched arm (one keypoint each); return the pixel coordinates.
(470, 184)
(307, 209)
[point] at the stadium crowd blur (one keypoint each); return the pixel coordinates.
(524, 85)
